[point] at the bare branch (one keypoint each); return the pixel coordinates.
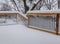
(36, 5)
(26, 7)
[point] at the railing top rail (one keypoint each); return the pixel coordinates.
(15, 12)
(9, 12)
(45, 11)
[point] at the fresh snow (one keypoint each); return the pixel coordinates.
(20, 34)
(44, 11)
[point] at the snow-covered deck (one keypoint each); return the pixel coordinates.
(20, 34)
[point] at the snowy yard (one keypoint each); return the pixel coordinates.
(20, 34)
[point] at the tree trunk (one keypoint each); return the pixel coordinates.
(15, 4)
(26, 7)
(36, 5)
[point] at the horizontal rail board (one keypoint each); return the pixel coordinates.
(44, 11)
(41, 29)
(13, 12)
(42, 14)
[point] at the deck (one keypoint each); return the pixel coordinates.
(20, 34)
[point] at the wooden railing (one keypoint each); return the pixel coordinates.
(44, 14)
(13, 13)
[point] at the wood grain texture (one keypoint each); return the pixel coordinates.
(57, 24)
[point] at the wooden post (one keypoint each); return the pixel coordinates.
(57, 24)
(17, 18)
(28, 20)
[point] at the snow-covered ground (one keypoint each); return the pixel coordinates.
(20, 34)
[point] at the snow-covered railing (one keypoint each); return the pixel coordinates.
(44, 11)
(46, 20)
(23, 16)
(12, 17)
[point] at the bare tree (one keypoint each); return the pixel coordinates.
(5, 7)
(35, 5)
(25, 6)
(15, 4)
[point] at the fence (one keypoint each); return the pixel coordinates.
(11, 17)
(47, 21)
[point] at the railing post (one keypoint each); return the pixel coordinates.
(28, 21)
(57, 24)
(17, 18)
